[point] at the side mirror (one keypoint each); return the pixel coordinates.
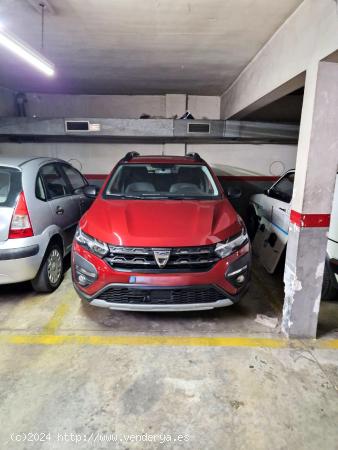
(91, 191)
(234, 192)
(78, 191)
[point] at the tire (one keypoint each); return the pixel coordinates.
(253, 223)
(329, 290)
(50, 273)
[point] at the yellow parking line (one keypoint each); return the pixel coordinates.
(172, 341)
(56, 320)
(328, 344)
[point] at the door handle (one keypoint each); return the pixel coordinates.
(283, 209)
(59, 210)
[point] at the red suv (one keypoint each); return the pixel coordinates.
(161, 236)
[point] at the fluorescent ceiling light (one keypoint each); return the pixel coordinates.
(27, 53)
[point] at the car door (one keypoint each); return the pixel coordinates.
(271, 237)
(77, 182)
(281, 195)
(65, 213)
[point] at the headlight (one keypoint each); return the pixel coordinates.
(234, 243)
(95, 246)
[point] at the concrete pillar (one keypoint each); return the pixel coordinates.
(316, 167)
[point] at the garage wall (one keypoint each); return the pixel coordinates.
(91, 159)
(250, 167)
(204, 107)
(7, 105)
(113, 106)
(242, 161)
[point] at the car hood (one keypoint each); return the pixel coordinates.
(160, 223)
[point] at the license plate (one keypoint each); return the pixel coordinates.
(160, 295)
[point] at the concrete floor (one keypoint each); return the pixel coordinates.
(70, 368)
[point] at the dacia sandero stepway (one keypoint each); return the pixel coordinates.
(161, 236)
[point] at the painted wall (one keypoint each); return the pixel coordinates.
(204, 107)
(89, 158)
(7, 105)
(113, 106)
(229, 160)
(252, 168)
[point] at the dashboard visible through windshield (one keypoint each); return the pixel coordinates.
(164, 181)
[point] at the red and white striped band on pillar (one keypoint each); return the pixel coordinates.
(310, 220)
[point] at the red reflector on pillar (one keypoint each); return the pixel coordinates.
(310, 220)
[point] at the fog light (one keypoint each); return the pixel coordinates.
(84, 272)
(82, 279)
(240, 279)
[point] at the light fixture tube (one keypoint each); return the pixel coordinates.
(27, 53)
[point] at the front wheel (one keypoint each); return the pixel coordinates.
(50, 274)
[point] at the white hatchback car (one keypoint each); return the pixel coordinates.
(268, 225)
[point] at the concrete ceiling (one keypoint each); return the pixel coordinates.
(285, 109)
(140, 47)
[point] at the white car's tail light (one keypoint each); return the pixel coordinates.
(21, 226)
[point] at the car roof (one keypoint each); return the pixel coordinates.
(158, 159)
(19, 161)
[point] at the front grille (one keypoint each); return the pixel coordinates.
(182, 296)
(182, 259)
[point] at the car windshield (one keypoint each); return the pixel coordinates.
(169, 181)
(10, 186)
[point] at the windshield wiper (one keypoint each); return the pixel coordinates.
(191, 197)
(169, 197)
(123, 196)
(161, 196)
(182, 197)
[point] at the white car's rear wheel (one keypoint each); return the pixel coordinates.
(50, 274)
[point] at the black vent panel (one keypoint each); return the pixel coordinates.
(202, 128)
(176, 296)
(77, 125)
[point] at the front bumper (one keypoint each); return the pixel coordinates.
(162, 308)
(153, 305)
(223, 292)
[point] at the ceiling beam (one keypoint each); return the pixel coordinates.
(308, 35)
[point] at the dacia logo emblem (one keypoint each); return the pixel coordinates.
(161, 257)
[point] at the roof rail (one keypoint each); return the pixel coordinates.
(195, 156)
(129, 156)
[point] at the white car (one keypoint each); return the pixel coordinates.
(268, 225)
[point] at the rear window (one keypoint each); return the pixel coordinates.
(10, 186)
